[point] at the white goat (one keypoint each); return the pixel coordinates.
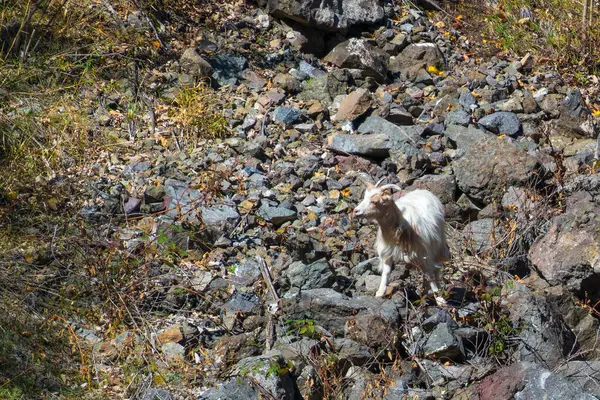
(411, 229)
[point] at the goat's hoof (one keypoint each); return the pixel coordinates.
(380, 293)
(441, 302)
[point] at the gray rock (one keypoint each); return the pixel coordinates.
(399, 115)
(364, 319)
(226, 68)
(542, 383)
(584, 374)
(306, 166)
(246, 303)
(465, 137)
(313, 276)
(233, 389)
(376, 145)
(525, 381)
(358, 53)
(543, 335)
(482, 235)
(511, 105)
(183, 200)
(489, 166)
(310, 70)
(286, 115)
(501, 122)
(192, 63)
(173, 350)
(331, 16)
(569, 253)
(400, 136)
(574, 104)
(351, 353)
(276, 215)
(443, 345)
(443, 186)
(269, 373)
(324, 89)
(417, 54)
(156, 394)
(457, 117)
(219, 219)
(575, 116)
(467, 100)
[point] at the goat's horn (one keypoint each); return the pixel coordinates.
(391, 186)
(379, 182)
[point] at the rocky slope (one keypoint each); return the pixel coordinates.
(311, 98)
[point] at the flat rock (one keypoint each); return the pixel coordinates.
(502, 123)
(354, 105)
(375, 145)
(276, 215)
(584, 374)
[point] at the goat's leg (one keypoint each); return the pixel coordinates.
(386, 268)
(440, 301)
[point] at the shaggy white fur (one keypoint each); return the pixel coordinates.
(411, 230)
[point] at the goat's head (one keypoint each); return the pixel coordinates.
(376, 200)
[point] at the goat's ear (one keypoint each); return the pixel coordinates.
(381, 198)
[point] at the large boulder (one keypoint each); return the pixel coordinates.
(543, 335)
(359, 54)
(364, 319)
(569, 253)
(490, 166)
(328, 15)
(524, 381)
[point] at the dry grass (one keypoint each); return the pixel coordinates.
(551, 29)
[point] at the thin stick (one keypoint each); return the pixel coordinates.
(585, 12)
(267, 277)
(274, 306)
(162, 44)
